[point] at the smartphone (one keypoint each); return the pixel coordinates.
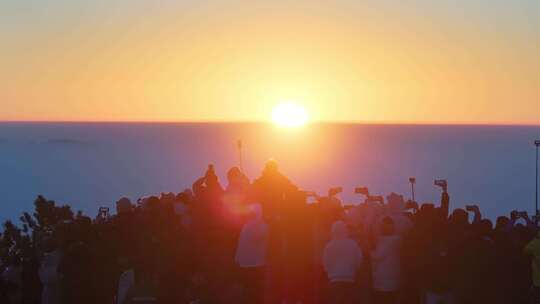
(376, 198)
(412, 180)
(362, 190)
(411, 205)
(441, 183)
(335, 190)
(469, 208)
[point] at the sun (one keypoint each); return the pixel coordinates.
(289, 114)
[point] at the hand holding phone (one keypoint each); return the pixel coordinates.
(376, 198)
(514, 214)
(472, 208)
(362, 190)
(441, 183)
(335, 190)
(523, 214)
(410, 204)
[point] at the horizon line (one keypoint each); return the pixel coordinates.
(318, 122)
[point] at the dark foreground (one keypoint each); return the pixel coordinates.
(261, 242)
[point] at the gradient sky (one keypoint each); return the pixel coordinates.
(384, 61)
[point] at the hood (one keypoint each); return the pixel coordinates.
(339, 230)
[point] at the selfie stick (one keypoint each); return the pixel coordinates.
(239, 145)
(537, 144)
(412, 181)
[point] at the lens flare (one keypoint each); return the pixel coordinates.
(289, 114)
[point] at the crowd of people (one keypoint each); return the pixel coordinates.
(267, 241)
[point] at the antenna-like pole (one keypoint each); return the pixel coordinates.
(239, 145)
(412, 180)
(536, 143)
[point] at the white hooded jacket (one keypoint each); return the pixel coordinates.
(386, 263)
(341, 256)
(252, 243)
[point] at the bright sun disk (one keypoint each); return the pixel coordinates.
(289, 114)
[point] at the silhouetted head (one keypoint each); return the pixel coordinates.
(459, 218)
(339, 230)
(211, 178)
(185, 196)
(151, 202)
(484, 228)
(395, 202)
(271, 166)
(123, 205)
(167, 197)
(234, 174)
(502, 222)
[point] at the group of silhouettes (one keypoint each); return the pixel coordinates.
(268, 241)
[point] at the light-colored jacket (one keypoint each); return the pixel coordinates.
(341, 257)
(252, 243)
(386, 263)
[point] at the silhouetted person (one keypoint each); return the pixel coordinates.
(270, 188)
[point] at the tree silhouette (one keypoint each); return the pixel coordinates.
(17, 243)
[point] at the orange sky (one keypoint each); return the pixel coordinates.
(234, 60)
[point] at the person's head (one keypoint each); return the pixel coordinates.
(484, 228)
(151, 202)
(123, 262)
(395, 202)
(459, 218)
(271, 166)
(339, 230)
(185, 197)
(167, 197)
(234, 174)
(123, 206)
(210, 176)
(387, 226)
(502, 222)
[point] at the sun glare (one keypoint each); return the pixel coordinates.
(289, 114)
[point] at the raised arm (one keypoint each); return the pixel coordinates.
(445, 203)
